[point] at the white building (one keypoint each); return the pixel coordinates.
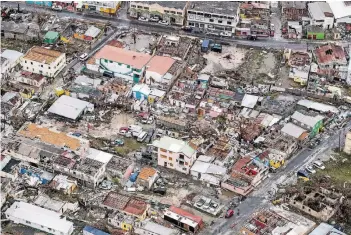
(12, 59)
(39, 218)
(214, 16)
(157, 70)
(321, 14)
(341, 11)
(151, 228)
(70, 107)
(175, 154)
(43, 61)
(206, 171)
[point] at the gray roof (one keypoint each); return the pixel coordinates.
(293, 130)
(317, 10)
(159, 229)
(170, 4)
(69, 107)
(318, 106)
(219, 7)
(92, 32)
(307, 120)
(10, 26)
(326, 229)
(294, 4)
(12, 55)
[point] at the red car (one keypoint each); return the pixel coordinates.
(229, 213)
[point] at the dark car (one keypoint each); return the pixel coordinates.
(108, 74)
(252, 37)
(187, 29)
(160, 190)
(150, 133)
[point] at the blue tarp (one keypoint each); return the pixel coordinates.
(205, 43)
(94, 231)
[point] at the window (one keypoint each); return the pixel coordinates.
(27, 67)
(146, 8)
(166, 11)
(191, 24)
(163, 150)
(28, 222)
(31, 62)
(128, 66)
(181, 156)
(184, 169)
(229, 22)
(173, 12)
(25, 61)
(186, 163)
(106, 61)
(207, 15)
(171, 159)
(220, 21)
(49, 67)
(190, 12)
(140, 7)
(111, 61)
(163, 156)
(132, 6)
(171, 164)
(41, 65)
(211, 20)
(230, 18)
(179, 13)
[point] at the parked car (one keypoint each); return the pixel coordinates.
(163, 22)
(83, 57)
(106, 185)
(229, 213)
(141, 18)
(154, 19)
(310, 169)
(119, 142)
(187, 29)
(252, 37)
(56, 8)
(142, 136)
(76, 134)
(123, 130)
(108, 74)
(319, 165)
(225, 34)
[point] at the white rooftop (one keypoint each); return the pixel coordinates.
(339, 9)
(11, 55)
(293, 130)
(37, 215)
(174, 145)
(159, 229)
(249, 101)
(318, 106)
(69, 107)
(99, 156)
(307, 120)
(92, 32)
(317, 10)
(181, 219)
(142, 88)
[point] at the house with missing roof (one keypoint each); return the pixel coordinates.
(175, 154)
(147, 177)
(311, 123)
(43, 61)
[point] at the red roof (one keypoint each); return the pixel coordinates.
(238, 166)
(330, 53)
(186, 214)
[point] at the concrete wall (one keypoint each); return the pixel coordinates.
(171, 159)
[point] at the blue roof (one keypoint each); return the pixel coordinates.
(205, 43)
(94, 231)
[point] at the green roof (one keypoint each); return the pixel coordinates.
(51, 35)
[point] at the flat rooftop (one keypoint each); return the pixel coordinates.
(42, 55)
(217, 7)
(169, 4)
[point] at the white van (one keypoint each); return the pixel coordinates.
(142, 136)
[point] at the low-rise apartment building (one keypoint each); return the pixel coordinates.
(175, 154)
(109, 7)
(43, 61)
(216, 17)
(321, 14)
(173, 12)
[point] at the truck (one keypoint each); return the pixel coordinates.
(135, 130)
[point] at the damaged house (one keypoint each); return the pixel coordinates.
(204, 170)
(175, 154)
(300, 64)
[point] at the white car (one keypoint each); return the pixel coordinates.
(310, 169)
(142, 19)
(319, 165)
(154, 19)
(225, 34)
(163, 22)
(83, 57)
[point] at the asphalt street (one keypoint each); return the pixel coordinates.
(274, 43)
(259, 199)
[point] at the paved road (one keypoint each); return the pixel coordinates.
(154, 27)
(259, 199)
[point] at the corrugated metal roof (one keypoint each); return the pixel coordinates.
(94, 231)
(293, 130)
(69, 107)
(92, 32)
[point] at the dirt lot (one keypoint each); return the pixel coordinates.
(142, 41)
(230, 58)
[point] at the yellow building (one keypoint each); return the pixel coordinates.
(109, 7)
(171, 11)
(120, 220)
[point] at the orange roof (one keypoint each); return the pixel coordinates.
(135, 59)
(146, 172)
(42, 55)
(50, 137)
(160, 64)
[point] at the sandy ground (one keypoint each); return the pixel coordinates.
(218, 61)
(268, 63)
